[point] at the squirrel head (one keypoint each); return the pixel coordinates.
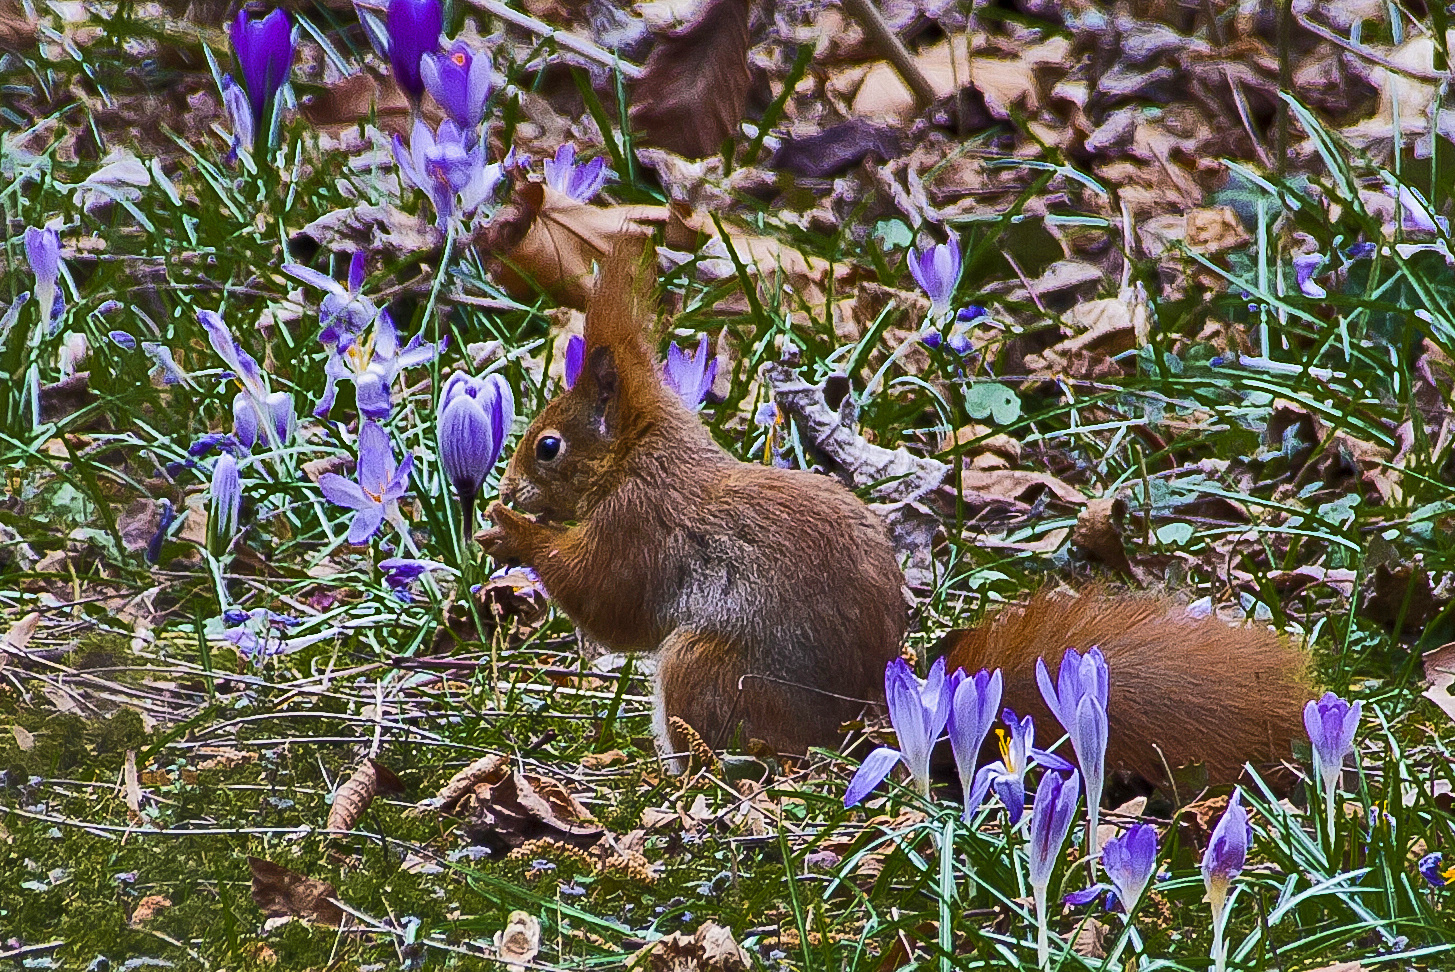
(579, 446)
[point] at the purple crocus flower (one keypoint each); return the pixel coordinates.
(164, 364)
(122, 340)
(343, 310)
(449, 167)
(1331, 723)
(1432, 867)
(1227, 852)
(937, 271)
(235, 100)
(575, 359)
(918, 710)
(414, 30)
(258, 634)
(1051, 816)
(973, 704)
(226, 493)
(400, 572)
(380, 484)
(580, 182)
(43, 252)
(459, 80)
(1007, 776)
(1078, 701)
(255, 407)
(475, 415)
(1129, 861)
(1415, 214)
(1305, 268)
(690, 376)
(165, 519)
(264, 50)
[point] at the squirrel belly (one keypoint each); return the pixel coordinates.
(1183, 689)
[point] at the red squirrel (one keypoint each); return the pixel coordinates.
(775, 596)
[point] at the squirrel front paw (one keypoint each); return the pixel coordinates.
(509, 540)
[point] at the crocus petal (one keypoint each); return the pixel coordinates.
(1051, 815)
(972, 712)
(376, 459)
(282, 415)
(226, 490)
(575, 359)
(245, 420)
(979, 786)
(414, 30)
(1010, 788)
(122, 340)
(371, 395)
(872, 771)
(343, 492)
(366, 523)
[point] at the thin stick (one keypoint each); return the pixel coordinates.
(891, 47)
(571, 42)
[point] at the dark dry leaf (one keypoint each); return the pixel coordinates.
(694, 87)
(1099, 531)
(17, 32)
(1440, 676)
(282, 893)
(354, 797)
(519, 808)
(67, 397)
(836, 149)
(712, 948)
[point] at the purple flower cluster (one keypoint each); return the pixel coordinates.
(264, 50)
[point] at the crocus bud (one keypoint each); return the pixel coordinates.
(459, 80)
(1129, 861)
(580, 182)
(43, 252)
(937, 271)
(1331, 723)
(414, 30)
(264, 50)
(690, 376)
(475, 414)
(244, 420)
(226, 490)
(1227, 852)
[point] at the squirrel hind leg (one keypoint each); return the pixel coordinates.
(704, 680)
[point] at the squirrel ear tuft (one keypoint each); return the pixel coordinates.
(601, 365)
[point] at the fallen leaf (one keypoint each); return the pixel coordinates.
(486, 770)
(283, 893)
(1099, 530)
(21, 631)
(712, 948)
(520, 942)
(147, 908)
(836, 149)
(543, 240)
(131, 787)
(693, 89)
(62, 399)
(1090, 940)
(17, 31)
(353, 798)
(359, 98)
(24, 738)
(1440, 676)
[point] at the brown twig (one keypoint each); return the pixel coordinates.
(892, 48)
(1366, 53)
(571, 42)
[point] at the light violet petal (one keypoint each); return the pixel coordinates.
(872, 771)
(343, 492)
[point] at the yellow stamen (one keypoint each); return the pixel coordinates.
(1449, 874)
(1003, 741)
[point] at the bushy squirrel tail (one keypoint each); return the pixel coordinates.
(1184, 689)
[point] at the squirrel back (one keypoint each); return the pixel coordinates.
(1184, 689)
(773, 596)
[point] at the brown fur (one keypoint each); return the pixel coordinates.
(1192, 689)
(773, 595)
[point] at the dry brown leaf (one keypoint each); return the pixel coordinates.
(694, 87)
(281, 893)
(1440, 676)
(1090, 940)
(221, 757)
(17, 32)
(376, 228)
(360, 98)
(24, 738)
(597, 761)
(147, 908)
(353, 798)
(520, 942)
(1099, 530)
(545, 240)
(514, 595)
(486, 770)
(21, 632)
(1101, 330)
(712, 948)
(130, 784)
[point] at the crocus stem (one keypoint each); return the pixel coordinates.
(1093, 818)
(1219, 946)
(1330, 792)
(1043, 934)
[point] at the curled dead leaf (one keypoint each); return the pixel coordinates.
(694, 87)
(353, 798)
(24, 738)
(712, 948)
(520, 942)
(283, 893)
(1099, 530)
(1440, 676)
(543, 240)
(485, 770)
(147, 908)
(21, 632)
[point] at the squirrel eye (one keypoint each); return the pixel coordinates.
(548, 447)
